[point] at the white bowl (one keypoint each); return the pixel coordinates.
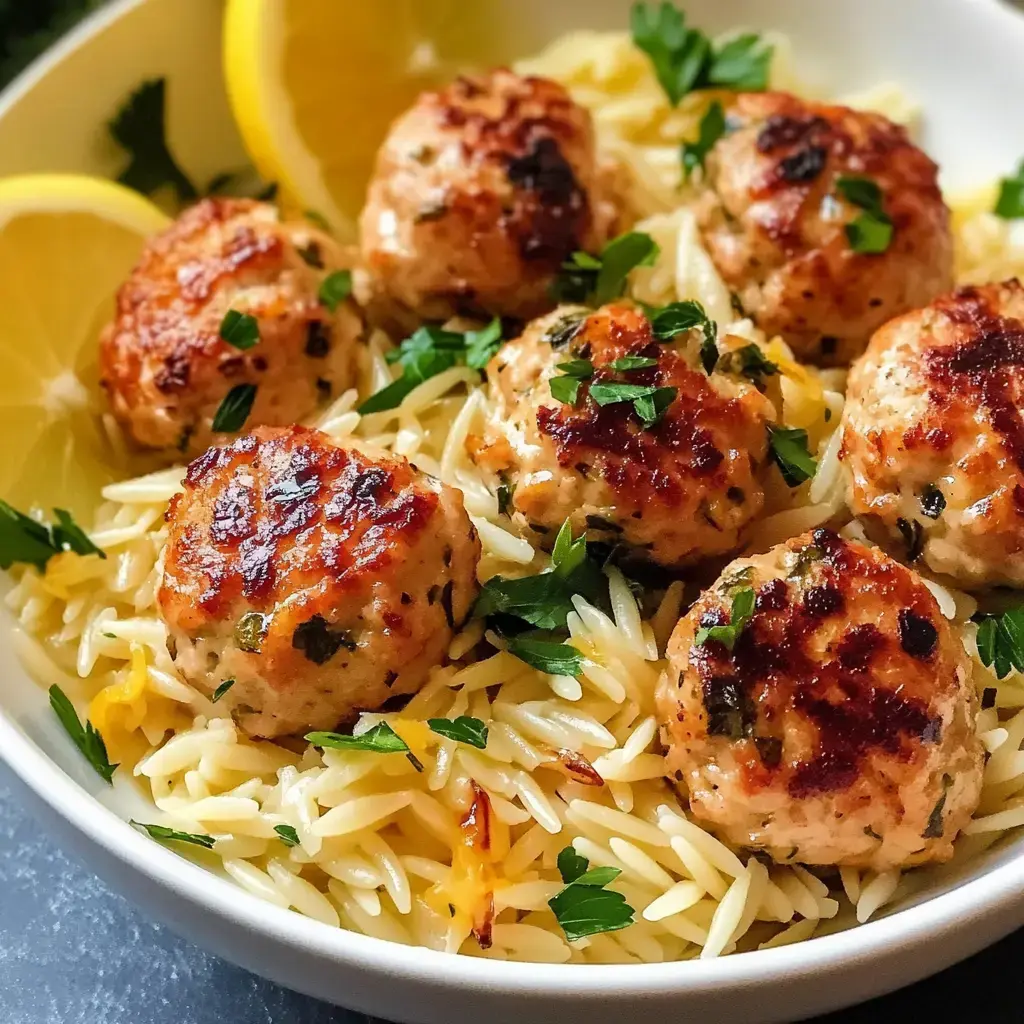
(961, 59)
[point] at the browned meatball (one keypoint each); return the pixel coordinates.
(839, 729)
(774, 222)
(321, 580)
(163, 363)
(480, 192)
(933, 434)
(677, 491)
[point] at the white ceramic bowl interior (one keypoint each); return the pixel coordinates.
(962, 60)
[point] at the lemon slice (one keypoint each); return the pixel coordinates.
(314, 84)
(66, 244)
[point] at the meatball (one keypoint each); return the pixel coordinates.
(480, 192)
(675, 491)
(839, 727)
(774, 222)
(933, 434)
(163, 363)
(322, 580)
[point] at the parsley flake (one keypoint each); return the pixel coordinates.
(599, 279)
(712, 128)
(24, 539)
(463, 729)
(335, 288)
(789, 451)
(287, 834)
(221, 690)
(673, 319)
(871, 232)
(1010, 204)
(627, 363)
(381, 739)
(750, 362)
(739, 616)
(240, 330)
(172, 835)
(551, 656)
(139, 128)
(585, 907)
(86, 737)
(1001, 641)
(234, 410)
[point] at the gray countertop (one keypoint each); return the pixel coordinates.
(73, 952)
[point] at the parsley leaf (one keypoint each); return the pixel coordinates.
(599, 279)
(567, 388)
(335, 288)
(24, 539)
(551, 656)
(685, 59)
(381, 739)
(584, 907)
(627, 363)
(221, 690)
(1001, 641)
(234, 410)
(872, 231)
(712, 128)
(651, 408)
(462, 729)
(240, 330)
(505, 493)
(287, 834)
(789, 452)
(677, 317)
(431, 350)
(748, 361)
(612, 392)
(85, 737)
(742, 609)
(172, 835)
(139, 127)
(1010, 204)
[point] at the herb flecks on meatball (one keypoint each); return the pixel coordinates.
(786, 193)
(321, 580)
(933, 434)
(481, 191)
(164, 364)
(819, 708)
(674, 480)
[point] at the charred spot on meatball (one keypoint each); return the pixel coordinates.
(918, 636)
(319, 642)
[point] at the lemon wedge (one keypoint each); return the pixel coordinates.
(314, 84)
(66, 244)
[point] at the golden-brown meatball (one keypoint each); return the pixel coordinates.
(480, 192)
(321, 580)
(839, 729)
(674, 492)
(163, 363)
(933, 434)
(774, 222)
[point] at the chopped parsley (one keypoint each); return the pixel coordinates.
(789, 451)
(599, 279)
(24, 539)
(140, 128)
(287, 834)
(234, 410)
(431, 350)
(652, 407)
(649, 402)
(585, 907)
(566, 388)
(932, 501)
(739, 616)
(673, 319)
(172, 835)
(335, 288)
(871, 232)
(1010, 204)
(627, 363)
(555, 657)
(750, 362)
(221, 690)
(463, 729)
(935, 827)
(505, 494)
(381, 739)
(86, 737)
(1001, 641)
(240, 330)
(685, 59)
(712, 128)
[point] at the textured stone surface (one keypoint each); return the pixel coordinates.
(73, 952)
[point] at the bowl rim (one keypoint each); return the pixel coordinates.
(924, 923)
